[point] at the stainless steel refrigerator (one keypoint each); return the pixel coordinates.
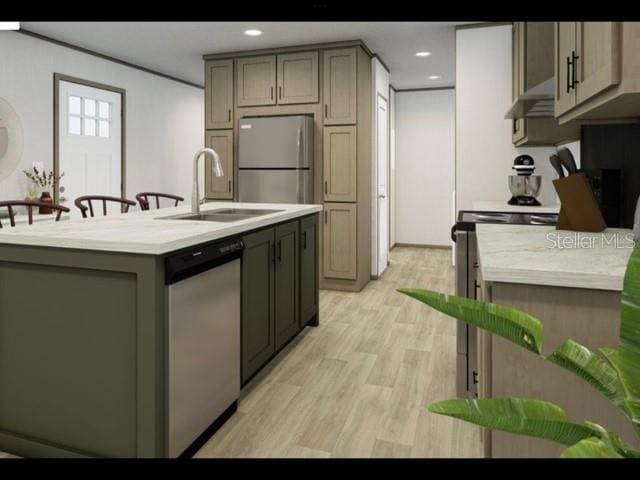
(275, 159)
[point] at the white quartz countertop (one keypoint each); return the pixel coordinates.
(505, 207)
(144, 232)
(542, 255)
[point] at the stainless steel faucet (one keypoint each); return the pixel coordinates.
(217, 171)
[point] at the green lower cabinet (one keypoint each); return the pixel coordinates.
(258, 312)
(82, 353)
(279, 289)
(287, 322)
(308, 269)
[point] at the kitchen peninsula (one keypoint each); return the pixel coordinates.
(570, 281)
(86, 339)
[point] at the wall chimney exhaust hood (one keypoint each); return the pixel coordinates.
(535, 102)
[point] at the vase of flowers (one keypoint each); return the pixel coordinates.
(45, 182)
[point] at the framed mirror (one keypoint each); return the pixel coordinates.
(11, 139)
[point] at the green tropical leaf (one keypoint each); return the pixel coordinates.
(613, 441)
(535, 418)
(512, 324)
(580, 361)
(630, 321)
(591, 448)
(630, 405)
(628, 358)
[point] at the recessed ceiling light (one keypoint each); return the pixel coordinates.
(434, 77)
(423, 54)
(9, 25)
(253, 32)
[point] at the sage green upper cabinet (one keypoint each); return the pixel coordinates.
(219, 94)
(339, 86)
(258, 306)
(222, 142)
(308, 268)
(597, 69)
(340, 163)
(298, 78)
(565, 45)
(286, 283)
(256, 81)
(598, 58)
(532, 54)
(518, 76)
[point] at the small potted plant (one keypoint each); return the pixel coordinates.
(45, 182)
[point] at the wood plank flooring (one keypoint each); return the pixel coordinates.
(359, 384)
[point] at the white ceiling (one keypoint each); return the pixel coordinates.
(176, 48)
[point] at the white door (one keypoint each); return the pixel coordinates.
(90, 143)
(383, 183)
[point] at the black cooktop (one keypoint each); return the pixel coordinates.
(467, 219)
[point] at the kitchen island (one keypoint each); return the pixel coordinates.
(571, 282)
(84, 334)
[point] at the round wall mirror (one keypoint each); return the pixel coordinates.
(10, 139)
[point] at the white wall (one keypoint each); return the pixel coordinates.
(484, 150)
(392, 168)
(380, 86)
(425, 166)
(165, 119)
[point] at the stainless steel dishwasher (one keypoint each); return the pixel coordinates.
(203, 307)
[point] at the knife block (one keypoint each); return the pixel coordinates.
(579, 210)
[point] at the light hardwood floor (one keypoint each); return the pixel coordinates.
(359, 384)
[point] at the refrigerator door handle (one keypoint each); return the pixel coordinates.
(301, 148)
(300, 188)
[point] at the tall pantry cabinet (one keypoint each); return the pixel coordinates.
(331, 83)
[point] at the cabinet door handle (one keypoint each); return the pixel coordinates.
(568, 74)
(271, 93)
(574, 66)
(280, 92)
(304, 240)
(326, 110)
(280, 250)
(326, 187)
(515, 126)
(273, 253)
(325, 217)
(229, 115)
(229, 186)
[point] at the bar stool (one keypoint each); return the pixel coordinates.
(143, 199)
(124, 202)
(9, 204)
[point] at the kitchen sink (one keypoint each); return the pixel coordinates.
(222, 215)
(251, 212)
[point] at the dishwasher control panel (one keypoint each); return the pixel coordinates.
(193, 261)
